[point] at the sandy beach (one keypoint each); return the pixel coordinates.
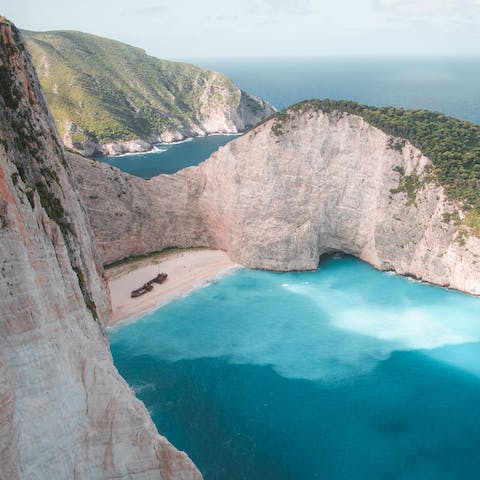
(187, 270)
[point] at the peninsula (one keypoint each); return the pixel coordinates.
(111, 98)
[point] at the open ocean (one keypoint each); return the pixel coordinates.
(448, 85)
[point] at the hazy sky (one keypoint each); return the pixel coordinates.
(188, 29)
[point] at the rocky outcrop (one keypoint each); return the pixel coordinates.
(109, 98)
(90, 148)
(286, 193)
(216, 117)
(65, 412)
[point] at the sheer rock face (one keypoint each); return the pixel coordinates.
(282, 195)
(65, 412)
(132, 216)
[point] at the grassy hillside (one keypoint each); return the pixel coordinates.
(113, 91)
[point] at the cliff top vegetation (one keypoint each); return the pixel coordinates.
(115, 92)
(452, 145)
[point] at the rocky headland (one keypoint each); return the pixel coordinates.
(109, 98)
(305, 183)
(65, 412)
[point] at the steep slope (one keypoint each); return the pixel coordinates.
(453, 145)
(65, 411)
(302, 184)
(103, 92)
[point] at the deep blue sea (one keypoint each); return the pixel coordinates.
(345, 373)
(448, 85)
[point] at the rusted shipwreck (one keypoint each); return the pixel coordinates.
(148, 287)
(160, 278)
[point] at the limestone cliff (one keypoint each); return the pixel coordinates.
(65, 412)
(286, 193)
(110, 98)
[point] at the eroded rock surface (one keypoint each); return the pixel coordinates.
(283, 195)
(65, 412)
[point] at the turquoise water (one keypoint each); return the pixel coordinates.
(341, 373)
(169, 158)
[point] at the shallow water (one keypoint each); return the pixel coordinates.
(342, 373)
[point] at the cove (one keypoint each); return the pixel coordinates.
(169, 157)
(340, 373)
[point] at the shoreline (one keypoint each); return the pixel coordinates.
(167, 144)
(187, 270)
(152, 150)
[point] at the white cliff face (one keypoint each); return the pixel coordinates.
(65, 411)
(132, 216)
(283, 195)
(325, 185)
